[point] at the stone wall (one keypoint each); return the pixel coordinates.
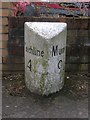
(78, 44)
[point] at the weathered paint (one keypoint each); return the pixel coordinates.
(45, 50)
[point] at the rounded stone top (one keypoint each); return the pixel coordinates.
(47, 30)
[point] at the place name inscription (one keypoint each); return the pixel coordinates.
(56, 51)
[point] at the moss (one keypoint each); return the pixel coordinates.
(45, 59)
(35, 66)
(45, 64)
(42, 81)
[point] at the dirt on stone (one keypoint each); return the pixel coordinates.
(75, 85)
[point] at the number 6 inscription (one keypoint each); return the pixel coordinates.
(59, 64)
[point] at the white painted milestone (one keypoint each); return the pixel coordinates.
(45, 49)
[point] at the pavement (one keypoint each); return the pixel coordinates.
(29, 105)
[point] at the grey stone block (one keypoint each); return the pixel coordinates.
(45, 48)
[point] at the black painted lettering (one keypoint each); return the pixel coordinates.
(55, 50)
(29, 65)
(59, 64)
(38, 52)
(34, 51)
(42, 53)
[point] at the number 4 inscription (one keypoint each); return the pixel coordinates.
(29, 65)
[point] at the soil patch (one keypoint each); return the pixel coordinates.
(75, 86)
